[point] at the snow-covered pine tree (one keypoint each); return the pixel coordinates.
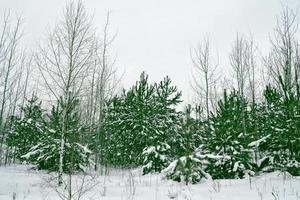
(25, 131)
(228, 137)
(127, 124)
(167, 142)
(156, 158)
(279, 124)
(192, 129)
(140, 118)
(47, 150)
(187, 169)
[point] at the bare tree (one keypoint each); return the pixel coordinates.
(65, 61)
(283, 62)
(9, 62)
(204, 74)
(105, 82)
(242, 60)
(26, 81)
(239, 62)
(252, 67)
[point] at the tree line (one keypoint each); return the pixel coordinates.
(62, 114)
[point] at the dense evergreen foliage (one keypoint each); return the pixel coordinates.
(36, 137)
(143, 117)
(47, 149)
(24, 132)
(228, 136)
(188, 169)
(141, 127)
(279, 134)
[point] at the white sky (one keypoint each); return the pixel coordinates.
(156, 35)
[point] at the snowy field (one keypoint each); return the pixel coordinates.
(19, 182)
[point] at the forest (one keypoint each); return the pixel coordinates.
(79, 119)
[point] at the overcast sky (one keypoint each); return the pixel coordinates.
(156, 35)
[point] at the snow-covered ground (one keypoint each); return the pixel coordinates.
(19, 182)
